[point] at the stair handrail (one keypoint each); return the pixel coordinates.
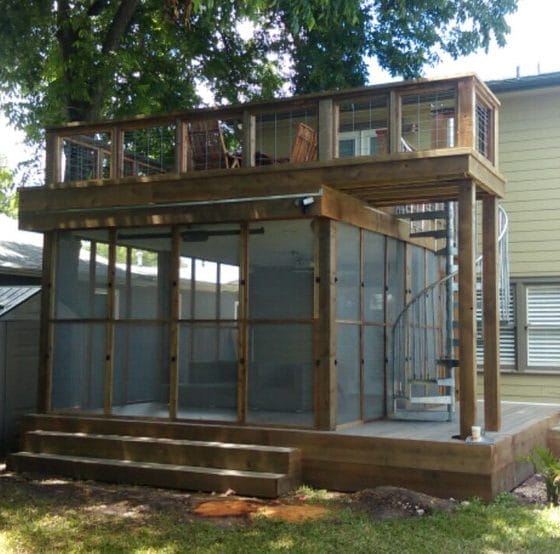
(477, 262)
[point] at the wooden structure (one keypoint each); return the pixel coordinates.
(309, 266)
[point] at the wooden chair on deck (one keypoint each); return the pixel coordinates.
(304, 147)
(207, 146)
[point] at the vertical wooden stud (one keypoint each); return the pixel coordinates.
(242, 317)
(110, 329)
(181, 147)
(467, 308)
(491, 322)
(325, 327)
(174, 323)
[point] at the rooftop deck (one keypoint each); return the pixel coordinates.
(385, 145)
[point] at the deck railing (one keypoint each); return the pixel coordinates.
(376, 121)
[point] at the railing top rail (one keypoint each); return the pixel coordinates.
(236, 110)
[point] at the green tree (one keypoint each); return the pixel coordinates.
(67, 60)
(8, 195)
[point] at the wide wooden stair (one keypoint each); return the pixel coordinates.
(94, 451)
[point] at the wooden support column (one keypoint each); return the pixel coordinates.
(249, 139)
(467, 308)
(325, 325)
(181, 147)
(44, 382)
(491, 320)
(326, 131)
(174, 324)
(243, 349)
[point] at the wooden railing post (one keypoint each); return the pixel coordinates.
(52, 162)
(327, 132)
(249, 139)
(117, 153)
(491, 321)
(465, 112)
(395, 130)
(467, 308)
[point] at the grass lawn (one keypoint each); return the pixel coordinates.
(72, 517)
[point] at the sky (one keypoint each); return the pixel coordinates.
(532, 48)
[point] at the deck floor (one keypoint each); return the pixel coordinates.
(515, 416)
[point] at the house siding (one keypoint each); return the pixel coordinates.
(530, 160)
(526, 387)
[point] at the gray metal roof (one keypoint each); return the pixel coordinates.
(21, 252)
(12, 297)
(522, 83)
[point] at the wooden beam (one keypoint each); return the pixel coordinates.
(325, 327)
(467, 309)
(44, 382)
(491, 321)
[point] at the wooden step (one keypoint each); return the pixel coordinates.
(175, 476)
(435, 233)
(243, 457)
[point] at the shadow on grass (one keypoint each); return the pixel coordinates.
(83, 518)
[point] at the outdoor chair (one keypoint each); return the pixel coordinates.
(207, 147)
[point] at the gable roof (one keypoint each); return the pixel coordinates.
(12, 297)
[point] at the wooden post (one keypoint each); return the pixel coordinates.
(326, 132)
(465, 112)
(325, 326)
(491, 313)
(467, 308)
(117, 153)
(174, 324)
(243, 351)
(44, 383)
(395, 130)
(110, 329)
(52, 162)
(181, 147)
(249, 139)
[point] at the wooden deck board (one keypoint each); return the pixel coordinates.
(422, 456)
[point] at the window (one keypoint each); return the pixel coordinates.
(543, 326)
(530, 338)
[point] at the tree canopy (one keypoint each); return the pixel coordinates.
(64, 60)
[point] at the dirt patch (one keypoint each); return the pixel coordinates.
(135, 503)
(227, 508)
(395, 502)
(292, 513)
